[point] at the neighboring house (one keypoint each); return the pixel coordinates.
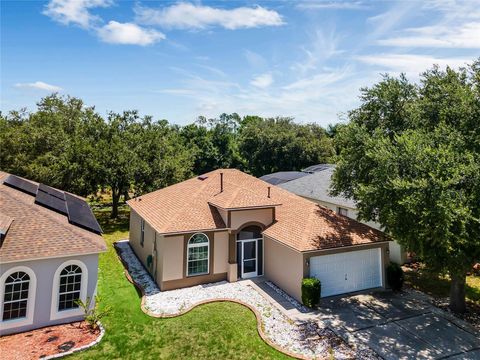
(313, 183)
(226, 225)
(49, 246)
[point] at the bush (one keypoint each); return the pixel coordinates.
(92, 313)
(395, 276)
(311, 288)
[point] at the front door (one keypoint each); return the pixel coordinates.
(249, 264)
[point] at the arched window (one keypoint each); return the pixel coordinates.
(198, 250)
(70, 283)
(70, 286)
(15, 299)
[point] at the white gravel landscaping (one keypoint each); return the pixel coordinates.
(303, 338)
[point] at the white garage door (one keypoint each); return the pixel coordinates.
(347, 272)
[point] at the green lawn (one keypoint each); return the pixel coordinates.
(211, 331)
(439, 286)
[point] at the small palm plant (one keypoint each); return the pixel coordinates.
(92, 313)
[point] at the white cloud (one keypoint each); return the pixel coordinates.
(39, 85)
(439, 36)
(262, 81)
(410, 64)
(190, 16)
(323, 46)
(334, 5)
(128, 34)
(75, 11)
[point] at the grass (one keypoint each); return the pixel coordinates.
(439, 286)
(211, 331)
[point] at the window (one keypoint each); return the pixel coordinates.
(343, 211)
(15, 300)
(198, 254)
(142, 232)
(70, 286)
(70, 283)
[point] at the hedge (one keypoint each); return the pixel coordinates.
(311, 288)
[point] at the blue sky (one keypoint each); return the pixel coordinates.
(178, 60)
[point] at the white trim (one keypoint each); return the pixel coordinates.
(198, 245)
(54, 313)
(53, 257)
(32, 289)
(358, 246)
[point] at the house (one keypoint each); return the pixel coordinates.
(313, 183)
(227, 225)
(49, 247)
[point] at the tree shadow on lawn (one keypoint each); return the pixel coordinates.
(439, 286)
(109, 226)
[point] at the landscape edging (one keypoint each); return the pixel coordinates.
(183, 312)
(81, 348)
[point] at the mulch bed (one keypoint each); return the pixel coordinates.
(472, 315)
(37, 344)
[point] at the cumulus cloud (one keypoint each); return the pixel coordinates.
(39, 85)
(75, 11)
(128, 34)
(262, 81)
(191, 16)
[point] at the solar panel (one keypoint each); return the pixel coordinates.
(21, 184)
(51, 202)
(51, 191)
(80, 214)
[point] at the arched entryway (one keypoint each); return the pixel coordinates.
(250, 252)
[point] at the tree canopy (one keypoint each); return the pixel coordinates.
(410, 157)
(70, 146)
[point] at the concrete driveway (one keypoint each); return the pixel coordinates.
(400, 326)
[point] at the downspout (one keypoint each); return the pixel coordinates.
(155, 257)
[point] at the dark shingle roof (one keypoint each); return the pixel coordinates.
(282, 177)
(317, 186)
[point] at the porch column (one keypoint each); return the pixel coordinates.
(232, 258)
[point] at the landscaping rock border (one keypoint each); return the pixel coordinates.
(271, 323)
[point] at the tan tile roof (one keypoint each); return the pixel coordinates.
(300, 223)
(37, 232)
(239, 198)
(5, 222)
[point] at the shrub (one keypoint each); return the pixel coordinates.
(92, 313)
(395, 276)
(311, 288)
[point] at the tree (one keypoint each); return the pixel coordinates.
(54, 145)
(213, 142)
(410, 158)
(117, 154)
(276, 144)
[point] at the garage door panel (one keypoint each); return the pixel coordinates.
(348, 271)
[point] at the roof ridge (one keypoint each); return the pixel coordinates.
(195, 196)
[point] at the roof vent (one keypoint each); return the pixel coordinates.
(202, 177)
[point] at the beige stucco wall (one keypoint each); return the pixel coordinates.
(283, 266)
(220, 255)
(240, 217)
(224, 215)
(142, 252)
(397, 253)
(172, 254)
